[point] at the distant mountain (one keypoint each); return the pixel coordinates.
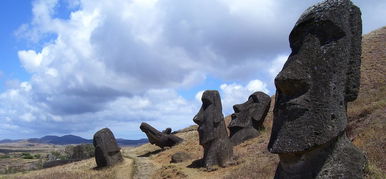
(71, 139)
(9, 141)
(64, 140)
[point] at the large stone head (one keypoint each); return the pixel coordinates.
(152, 134)
(251, 113)
(209, 117)
(107, 151)
(320, 76)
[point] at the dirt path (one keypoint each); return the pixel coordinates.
(143, 167)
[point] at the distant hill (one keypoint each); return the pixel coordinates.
(71, 139)
(63, 140)
(9, 141)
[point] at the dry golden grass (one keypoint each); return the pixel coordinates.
(367, 116)
(82, 169)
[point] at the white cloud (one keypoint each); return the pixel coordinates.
(277, 65)
(199, 95)
(232, 94)
(30, 60)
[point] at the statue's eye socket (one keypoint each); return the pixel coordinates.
(254, 98)
(205, 103)
(325, 30)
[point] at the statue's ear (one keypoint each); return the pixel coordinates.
(218, 119)
(354, 63)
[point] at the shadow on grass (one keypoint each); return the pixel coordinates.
(150, 153)
(196, 164)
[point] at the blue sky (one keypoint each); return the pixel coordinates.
(73, 67)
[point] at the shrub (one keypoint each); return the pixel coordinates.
(4, 156)
(26, 156)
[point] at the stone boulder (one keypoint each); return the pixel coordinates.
(180, 157)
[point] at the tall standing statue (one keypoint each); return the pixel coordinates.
(212, 132)
(248, 117)
(320, 77)
(107, 151)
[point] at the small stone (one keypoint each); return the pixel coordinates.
(180, 157)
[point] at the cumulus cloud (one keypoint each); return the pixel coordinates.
(117, 63)
(235, 93)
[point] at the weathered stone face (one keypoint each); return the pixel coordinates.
(320, 76)
(209, 117)
(161, 139)
(212, 131)
(248, 117)
(107, 151)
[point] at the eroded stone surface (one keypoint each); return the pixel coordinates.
(212, 131)
(320, 76)
(107, 151)
(161, 139)
(248, 117)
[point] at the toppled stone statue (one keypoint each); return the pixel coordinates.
(161, 139)
(248, 117)
(320, 76)
(212, 131)
(107, 151)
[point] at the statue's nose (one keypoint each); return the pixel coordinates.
(196, 119)
(237, 108)
(292, 81)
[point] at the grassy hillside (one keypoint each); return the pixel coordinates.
(367, 130)
(367, 115)
(81, 169)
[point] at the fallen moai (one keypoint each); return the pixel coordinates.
(218, 149)
(318, 80)
(248, 117)
(161, 139)
(107, 151)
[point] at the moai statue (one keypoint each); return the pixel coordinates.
(161, 139)
(248, 117)
(107, 151)
(212, 131)
(312, 91)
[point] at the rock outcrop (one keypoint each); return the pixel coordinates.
(107, 151)
(248, 117)
(318, 80)
(161, 139)
(218, 149)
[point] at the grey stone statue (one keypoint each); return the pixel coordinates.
(161, 139)
(312, 91)
(248, 117)
(212, 131)
(107, 151)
